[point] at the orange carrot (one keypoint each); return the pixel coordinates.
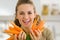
(12, 31)
(11, 38)
(34, 24)
(11, 28)
(16, 27)
(40, 25)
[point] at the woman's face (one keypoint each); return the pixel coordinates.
(25, 15)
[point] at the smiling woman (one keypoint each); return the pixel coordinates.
(27, 18)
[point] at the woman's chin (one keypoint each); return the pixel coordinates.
(28, 25)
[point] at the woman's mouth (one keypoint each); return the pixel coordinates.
(26, 21)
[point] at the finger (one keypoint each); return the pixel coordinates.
(32, 33)
(39, 32)
(24, 36)
(36, 32)
(32, 38)
(15, 37)
(20, 35)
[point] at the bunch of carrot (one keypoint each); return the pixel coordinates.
(16, 29)
(39, 26)
(13, 30)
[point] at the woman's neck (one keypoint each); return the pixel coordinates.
(26, 30)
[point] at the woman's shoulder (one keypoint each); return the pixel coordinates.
(47, 31)
(48, 34)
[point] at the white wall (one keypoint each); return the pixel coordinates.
(7, 7)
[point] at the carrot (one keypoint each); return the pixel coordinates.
(16, 27)
(11, 28)
(11, 31)
(34, 24)
(40, 25)
(35, 21)
(11, 38)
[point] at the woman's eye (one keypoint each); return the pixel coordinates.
(29, 12)
(21, 13)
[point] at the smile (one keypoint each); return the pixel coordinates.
(26, 21)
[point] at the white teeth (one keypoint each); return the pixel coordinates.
(27, 21)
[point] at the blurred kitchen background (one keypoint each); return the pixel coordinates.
(49, 10)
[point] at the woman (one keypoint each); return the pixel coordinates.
(25, 15)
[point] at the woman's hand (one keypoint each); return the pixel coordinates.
(21, 36)
(35, 35)
(15, 37)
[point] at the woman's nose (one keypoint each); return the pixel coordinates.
(26, 16)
